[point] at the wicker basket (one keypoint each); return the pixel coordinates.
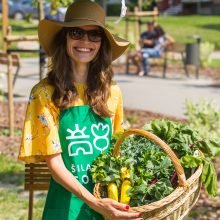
(176, 205)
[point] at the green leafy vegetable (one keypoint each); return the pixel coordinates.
(209, 177)
(189, 161)
(152, 172)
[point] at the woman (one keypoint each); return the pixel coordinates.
(161, 42)
(73, 112)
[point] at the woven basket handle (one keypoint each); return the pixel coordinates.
(178, 167)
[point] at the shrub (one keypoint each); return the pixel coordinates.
(206, 49)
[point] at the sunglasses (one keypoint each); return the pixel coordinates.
(93, 35)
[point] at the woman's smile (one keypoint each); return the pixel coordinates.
(83, 49)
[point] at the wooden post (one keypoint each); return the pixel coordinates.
(4, 23)
(126, 28)
(10, 95)
(155, 16)
(126, 37)
(41, 53)
(136, 27)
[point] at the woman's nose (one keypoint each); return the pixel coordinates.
(85, 37)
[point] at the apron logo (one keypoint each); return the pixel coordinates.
(100, 132)
(100, 140)
(78, 145)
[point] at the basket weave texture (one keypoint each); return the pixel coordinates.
(176, 205)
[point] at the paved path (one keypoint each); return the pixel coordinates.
(165, 95)
(147, 93)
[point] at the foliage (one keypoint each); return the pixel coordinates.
(185, 141)
(214, 63)
(114, 9)
(209, 177)
(6, 131)
(132, 118)
(206, 49)
(59, 3)
(204, 116)
(9, 165)
(1, 88)
(147, 5)
(152, 173)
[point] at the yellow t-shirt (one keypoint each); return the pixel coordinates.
(40, 133)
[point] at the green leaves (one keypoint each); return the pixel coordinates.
(189, 161)
(152, 171)
(147, 193)
(178, 136)
(210, 147)
(209, 177)
(205, 117)
(105, 169)
(185, 140)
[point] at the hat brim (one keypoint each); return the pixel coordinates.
(48, 29)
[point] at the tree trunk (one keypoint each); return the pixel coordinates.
(42, 57)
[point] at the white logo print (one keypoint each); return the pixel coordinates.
(104, 130)
(76, 146)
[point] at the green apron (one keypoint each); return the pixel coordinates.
(83, 135)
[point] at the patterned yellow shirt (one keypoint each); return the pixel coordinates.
(40, 133)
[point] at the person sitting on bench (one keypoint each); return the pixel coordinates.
(161, 41)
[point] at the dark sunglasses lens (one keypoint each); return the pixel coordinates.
(77, 34)
(95, 35)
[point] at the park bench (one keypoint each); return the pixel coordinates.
(15, 62)
(37, 178)
(135, 57)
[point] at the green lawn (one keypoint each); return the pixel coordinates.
(177, 26)
(208, 27)
(13, 198)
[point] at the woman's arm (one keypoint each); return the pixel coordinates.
(107, 207)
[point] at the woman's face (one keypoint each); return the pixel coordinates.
(83, 48)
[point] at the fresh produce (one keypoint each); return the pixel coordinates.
(144, 173)
(126, 185)
(113, 191)
(125, 198)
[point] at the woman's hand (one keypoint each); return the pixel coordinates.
(109, 208)
(113, 210)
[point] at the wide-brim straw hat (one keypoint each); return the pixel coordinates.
(80, 13)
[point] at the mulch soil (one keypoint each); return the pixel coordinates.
(206, 208)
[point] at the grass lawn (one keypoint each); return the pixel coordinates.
(208, 27)
(13, 198)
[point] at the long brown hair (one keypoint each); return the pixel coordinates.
(98, 81)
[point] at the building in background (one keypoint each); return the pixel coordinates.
(187, 7)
